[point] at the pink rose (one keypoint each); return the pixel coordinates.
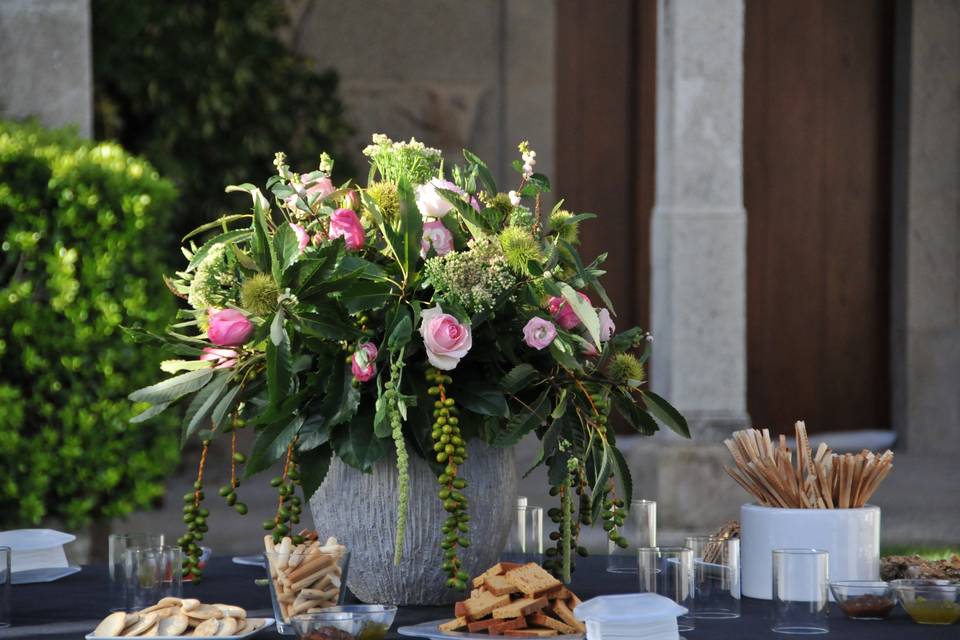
(364, 362)
(563, 313)
(345, 224)
(223, 358)
(431, 202)
(229, 328)
(320, 188)
(606, 325)
(303, 238)
(539, 333)
(436, 235)
(445, 339)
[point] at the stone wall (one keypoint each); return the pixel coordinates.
(478, 75)
(45, 62)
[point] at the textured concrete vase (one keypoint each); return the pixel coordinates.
(360, 510)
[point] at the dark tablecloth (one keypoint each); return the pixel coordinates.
(71, 607)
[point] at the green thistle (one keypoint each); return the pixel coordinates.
(624, 368)
(385, 195)
(214, 281)
(258, 295)
(519, 248)
(568, 231)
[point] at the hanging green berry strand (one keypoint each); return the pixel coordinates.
(451, 451)
(403, 460)
(289, 505)
(195, 517)
(613, 515)
(229, 491)
(566, 500)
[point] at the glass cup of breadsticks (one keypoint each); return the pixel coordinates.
(305, 578)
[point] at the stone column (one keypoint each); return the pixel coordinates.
(46, 66)
(699, 222)
(926, 231)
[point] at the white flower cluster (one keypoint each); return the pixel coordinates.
(529, 160)
(382, 141)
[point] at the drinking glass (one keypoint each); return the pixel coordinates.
(668, 571)
(143, 571)
(525, 543)
(6, 577)
(640, 530)
(716, 576)
(118, 545)
(800, 578)
(521, 501)
(171, 559)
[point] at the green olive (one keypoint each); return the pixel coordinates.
(241, 508)
(232, 499)
(268, 525)
(276, 481)
(442, 457)
(239, 457)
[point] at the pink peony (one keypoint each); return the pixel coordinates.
(539, 333)
(345, 224)
(436, 235)
(431, 202)
(229, 328)
(606, 325)
(303, 238)
(364, 362)
(223, 358)
(320, 188)
(445, 339)
(563, 313)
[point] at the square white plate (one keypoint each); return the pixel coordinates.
(431, 630)
(268, 622)
(49, 574)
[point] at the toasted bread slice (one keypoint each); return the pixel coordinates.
(460, 609)
(521, 607)
(499, 585)
(482, 605)
(561, 593)
(563, 612)
(482, 625)
(503, 626)
(454, 625)
(530, 633)
(543, 620)
(532, 580)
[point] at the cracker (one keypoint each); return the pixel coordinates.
(112, 625)
(172, 625)
(531, 579)
(228, 627)
(143, 625)
(453, 625)
(481, 606)
(521, 607)
(208, 627)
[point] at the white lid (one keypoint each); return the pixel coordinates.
(34, 539)
(630, 608)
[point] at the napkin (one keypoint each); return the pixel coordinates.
(634, 616)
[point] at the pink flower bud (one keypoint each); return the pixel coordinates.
(229, 328)
(364, 362)
(563, 313)
(436, 235)
(539, 333)
(303, 238)
(223, 358)
(345, 224)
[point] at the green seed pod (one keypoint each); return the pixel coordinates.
(451, 583)
(463, 527)
(459, 483)
(449, 448)
(268, 525)
(438, 404)
(232, 499)
(189, 497)
(276, 482)
(188, 518)
(197, 537)
(451, 470)
(433, 391)
(225, 490)
(295, 519)
(554, 491)
(463, 542)
(582, 552)
(204, 512)
(296, 539)
(449, 403)
(239, 458)
(197, 485)
(189, 508)
(446, 544)
(608, 526)
(241, 508)
(442, 457)
(550, 552)
(445, 439)
(443, 478)
(443, 494)
(447, 565)
(450, 505)
(463, 575)
(438, 447)
(622, 543)
(435, 434)
(442, 422)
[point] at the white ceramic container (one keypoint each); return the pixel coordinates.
(851, 536)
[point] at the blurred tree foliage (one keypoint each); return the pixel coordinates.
(83, 230)
(208, 92)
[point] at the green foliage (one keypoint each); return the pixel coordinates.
(207, 91)
(81, 226)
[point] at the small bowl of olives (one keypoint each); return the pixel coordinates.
(347, 622)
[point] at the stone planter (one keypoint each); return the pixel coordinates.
(360, 510)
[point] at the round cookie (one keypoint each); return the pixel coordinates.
(142, 626)
(164, 603)
(228, 627)
(173, 625)
(189, 604)
(207, 628)
(205, 611)
(112, 625)
(232, 610)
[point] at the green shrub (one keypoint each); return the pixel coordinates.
(207, 91)
(82, 227)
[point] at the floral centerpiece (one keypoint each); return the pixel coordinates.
(326, 314)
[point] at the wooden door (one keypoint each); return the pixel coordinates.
(606, 58)
(817, 154)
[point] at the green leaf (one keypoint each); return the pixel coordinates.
(467, 213)
(224, 407)
(355, 443)
(262, 249)
(602, 471)
(487, 401)
(342, 398)
(313, 433)
(486, 177)
(238, 235)
(366, 295)
(279, 370)
(219, 222)
(381, 418)
(149, 412)
(665, 413)
(277, 333)
(314, 465)
(202, 405)
(518, 378)
(286, 251)
(328, 324)
(173, 366)
(523, 422)
(411, 228)
(640, 420)
(402, 331)
(584, 310)
(271, 444)
(174, 388)
(622, 470)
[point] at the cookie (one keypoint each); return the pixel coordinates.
(228, 627)
(207, 628)
(189, 604)
(164, 603)
(173, 625)
(112, 625)
(232, 610)
(142, 626)
(204, 611)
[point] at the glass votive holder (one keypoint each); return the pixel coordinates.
(800, 579)
(525, 542)
(640, 530)
(117, 546)
(716, 576)
(306, 582)
(668, 571)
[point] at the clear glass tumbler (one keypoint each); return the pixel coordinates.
(640, 530)
(118, 544)
(668, 571)
(800, 579)
(6, 579)
(171, 565)
(525, 543)
(143, 571)
(716, 576)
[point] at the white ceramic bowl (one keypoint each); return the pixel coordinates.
(851, 536)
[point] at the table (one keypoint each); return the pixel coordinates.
(71, 607)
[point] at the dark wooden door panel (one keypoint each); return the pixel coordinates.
(817, 129)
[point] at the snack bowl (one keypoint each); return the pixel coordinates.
(929, 601)
(349, 622)
(864, 599)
